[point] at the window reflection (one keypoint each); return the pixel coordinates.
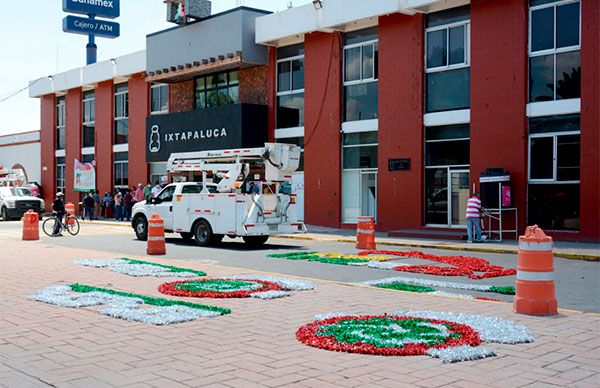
(361, 101)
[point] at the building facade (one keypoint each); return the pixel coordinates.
(400, 107)
(402, 110)
(22, 151)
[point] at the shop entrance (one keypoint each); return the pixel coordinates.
(447, 193)
(368, 194)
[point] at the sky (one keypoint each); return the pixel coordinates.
(33, 45)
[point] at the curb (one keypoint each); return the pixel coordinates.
(511, 251)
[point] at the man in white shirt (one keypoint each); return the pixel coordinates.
(156, 190)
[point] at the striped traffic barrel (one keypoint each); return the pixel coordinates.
(156, 236)
(70, 208)
(31, 228)
(535, 291)
(365, 233)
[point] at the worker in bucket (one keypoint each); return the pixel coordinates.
(474, 210)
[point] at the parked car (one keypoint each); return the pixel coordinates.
(15, 201)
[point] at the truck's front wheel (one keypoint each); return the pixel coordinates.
(141, 228)
(203, 233)
(255, 241)
(5, 216)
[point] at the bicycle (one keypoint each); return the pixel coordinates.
(71, 225)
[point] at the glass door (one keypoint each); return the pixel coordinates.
(368, 194)
(459, 189)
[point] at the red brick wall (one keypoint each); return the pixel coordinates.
(590, 120)
(104, 136)
(73, 143)
(181, 96)
(139, 108)
(253, 85)
(400, 193)
(48, 146)
(322, 166)
(499, 92)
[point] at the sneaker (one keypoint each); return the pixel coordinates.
(469, 242)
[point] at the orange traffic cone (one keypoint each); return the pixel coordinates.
(365, 233)
(31, 228)
(70, 208)
(535, 294)
(156, 236)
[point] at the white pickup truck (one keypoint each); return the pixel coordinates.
(208, 212)
(16, 201)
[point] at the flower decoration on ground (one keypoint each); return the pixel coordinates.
(449, 336)
(140, 268)
(330, 258)
(430, 286)
(238, 286)
(461, 265)
(127, 306)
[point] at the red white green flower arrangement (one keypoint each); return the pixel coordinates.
(459, 265)
(427, 286)
(140, 268)
(451, 337)
(123, 305)
(238, 286)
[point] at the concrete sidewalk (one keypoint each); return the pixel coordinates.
(255, 345)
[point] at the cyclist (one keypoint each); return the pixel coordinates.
(58, 206)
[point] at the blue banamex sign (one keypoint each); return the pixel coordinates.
(102, 8)
(85, 26)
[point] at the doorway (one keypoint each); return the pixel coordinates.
(368, 194)
(446, 195)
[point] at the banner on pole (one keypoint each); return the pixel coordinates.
(85, 177)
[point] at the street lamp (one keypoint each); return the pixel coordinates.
(318, 4)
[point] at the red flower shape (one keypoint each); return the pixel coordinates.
(171, 289)
(307, 334)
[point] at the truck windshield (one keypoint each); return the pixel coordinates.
(15, 192)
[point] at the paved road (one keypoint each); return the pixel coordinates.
(577, 282)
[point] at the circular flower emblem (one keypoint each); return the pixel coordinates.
(218, 288)
(386, 335)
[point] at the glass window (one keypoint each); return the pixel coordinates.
(350, 195)
(568, 151)
(360, 36)
(121, 126)
(359, 150)
(542, 29)
(361, 101)
(352, 61)
(436, 196)
(447, 145)
(167, 194)
(554, 206)
(298, 74)
(567, 25)
(290, 111)
(60, 124)
(159, 98)
(448, 90)
(217, 90)
(541, 157)
(360, 138)
(294, 50)
(457, 45)
(60, 174)
(547, 124)
(121, 169)
(452, 15)
(88, 125)
(191, 189)
(436, 48)
(283, 76)
(554, 63)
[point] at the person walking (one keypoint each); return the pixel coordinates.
(474, 210)
(118, 207)
(148, 191)
(103, 205)
(58, 207)
(88, 206)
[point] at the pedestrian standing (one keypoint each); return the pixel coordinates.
(88, 205)
(58, 207)
(127, 205)
(118, 207)
(96, 197)
(139, 193)
(147, 191)
(156, 190)
(474, 217)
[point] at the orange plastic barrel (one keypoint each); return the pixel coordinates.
(365, 233)
(156, 236)
(70, 208)
(31, 229)
(535, 291)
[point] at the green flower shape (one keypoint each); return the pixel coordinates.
(219, 285)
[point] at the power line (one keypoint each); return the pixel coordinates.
(11, 95)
